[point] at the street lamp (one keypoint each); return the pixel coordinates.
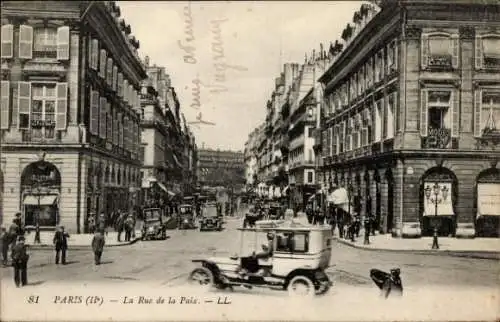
(349, 197)
(432, 195)
(38, 189)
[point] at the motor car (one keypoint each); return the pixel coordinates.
(252, 216)
(210, 219)
(300, 256)
(186, 217)
(154, 227)
(275, 211)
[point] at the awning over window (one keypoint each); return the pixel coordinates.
(46, 200)
(444, 207)
(488, 199)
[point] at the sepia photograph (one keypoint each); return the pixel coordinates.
(250, 160)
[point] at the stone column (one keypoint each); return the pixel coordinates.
(398, 182)
(363, 193)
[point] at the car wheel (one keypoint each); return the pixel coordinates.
(201, 276)
(301, 286)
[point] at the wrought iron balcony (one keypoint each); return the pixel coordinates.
(443, 61)
(40, 136)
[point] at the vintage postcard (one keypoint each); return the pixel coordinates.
(250, 160)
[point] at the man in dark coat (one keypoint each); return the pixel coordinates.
(98, 246)
(61, 243)
(5, 240)
(20, 262)
(14, 232)
(120, 225)
(129, 226)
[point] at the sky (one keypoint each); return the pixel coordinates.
(223, 57)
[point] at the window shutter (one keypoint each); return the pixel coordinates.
(455, 113)
(25, 42)
(424, 51)
(130, 95)
(120, 130)
(102, 64)
(115, 77)
(94, 58)
(479, 57)
(109, 72)
(324, 138)
(119, 84)
(455, 47)
(61, 106)
(109, 123)
(125, 90)
(102, 117)
(396, 53)
(5, 106)
(24, 105)
(7, 41)
(115, 127)
(424, 113)
(63, 43)
(94, 112)
(478, 102)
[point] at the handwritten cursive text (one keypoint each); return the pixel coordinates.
(189, 50)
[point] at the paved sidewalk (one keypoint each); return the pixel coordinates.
(79, 240)
(477, 247)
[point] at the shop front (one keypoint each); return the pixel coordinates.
(488, 204)
(438, 194)
(40, 195)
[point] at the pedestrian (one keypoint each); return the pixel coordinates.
(134, 221)
(61, 244)
(102, 223)
(120, 225)
(5, 240)
(20, 259)
(310, 214)
(129, 222)
(98, 246)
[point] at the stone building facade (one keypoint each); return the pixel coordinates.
(69, 116)
(413, 100)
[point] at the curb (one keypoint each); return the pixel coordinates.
(491, 255)
(82, 247)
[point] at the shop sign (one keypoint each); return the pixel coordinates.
(41, 173)
(488, 199)
(438, 138)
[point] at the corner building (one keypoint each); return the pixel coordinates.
(69, 121)
(414, 100)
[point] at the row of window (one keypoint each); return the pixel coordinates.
(373, 124)
(373, 71)
(40, 106)
(36, 42)
(439, 111)
(109, 123)
(107, 69)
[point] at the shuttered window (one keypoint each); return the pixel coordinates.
(61, 106)
(109, 123)
(102, 63)
(131, 95)
(5, 106)
(94, 58)
(455, 50)
(455, 113)
(125, 90)
(424, 113)
(102, 117)
(24, 104)
(115, 77)
(94, 113)
(115, 127)
(125, 133)
(120, 127)
(478, 98)
(25, 42)
(7, 41)
(324, 139)
(119, 85)
(63, 43)
(109, 72)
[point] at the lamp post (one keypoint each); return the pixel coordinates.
(349, 197)
(38, 190)
(432, 195)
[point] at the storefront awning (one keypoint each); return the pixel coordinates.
(40, 200)
(488, 199)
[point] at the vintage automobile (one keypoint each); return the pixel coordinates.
(210, 219)
(154, 226)
(186, 217)
(297, 264)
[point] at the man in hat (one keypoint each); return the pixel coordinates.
(61, 243)
(98, 246)
(20, 262)
(129, 226)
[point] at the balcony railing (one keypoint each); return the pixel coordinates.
(437, 138)
(440, 61)
(37, 136)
